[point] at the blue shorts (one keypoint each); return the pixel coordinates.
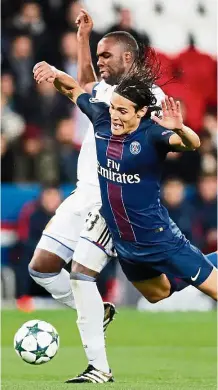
(182, 261)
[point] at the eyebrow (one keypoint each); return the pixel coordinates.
(119, 107)
(101, 54)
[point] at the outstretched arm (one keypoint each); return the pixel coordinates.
(64, 83)
(183, 138)
(86, 74)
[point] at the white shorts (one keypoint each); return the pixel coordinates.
(95, 236)
(62, 234)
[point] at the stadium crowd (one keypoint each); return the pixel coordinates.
(42, 132)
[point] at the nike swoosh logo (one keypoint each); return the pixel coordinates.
(98, 136)
(193, 278)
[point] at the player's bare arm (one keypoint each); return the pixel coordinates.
(184, 137)
(86, 74)
(64, 83)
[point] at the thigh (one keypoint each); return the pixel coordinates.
(46, 262)
(210, 285)
(158, 286)
(67, 221)
(95, 246)
(138, 271)
(62, 233)
(187, 263)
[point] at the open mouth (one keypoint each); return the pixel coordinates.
(117, 126)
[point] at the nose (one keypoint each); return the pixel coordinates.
(113, 114)
(100, 62)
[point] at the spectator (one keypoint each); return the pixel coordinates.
(72, 12)
(45, 108)
(205, 220)
(29, 20)
(67, 152)
(33, 219)
(13, 125)
(37, 161)
(210, 123)
(20, 62)
(69, 53)
(208, 156)
(125, 23)
(179, 208)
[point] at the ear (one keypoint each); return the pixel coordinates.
(142, 112)
(128, 57)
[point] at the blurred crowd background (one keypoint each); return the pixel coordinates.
(41, 132)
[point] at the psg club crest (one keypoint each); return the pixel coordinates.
(135, 147)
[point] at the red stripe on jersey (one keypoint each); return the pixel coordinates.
(119, 212)
(115, 147)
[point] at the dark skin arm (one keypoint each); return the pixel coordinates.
(86, 74)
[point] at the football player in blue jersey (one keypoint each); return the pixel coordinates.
(115, 53)
(131, 149)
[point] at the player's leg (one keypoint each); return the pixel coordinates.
(93, 244)
(155, 289)
(55, 249)
(189, 264)
(213, 258)
(152, 284)
(210, 285)
(46, 268)
(163, 286)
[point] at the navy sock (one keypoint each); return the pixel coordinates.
(213, 258)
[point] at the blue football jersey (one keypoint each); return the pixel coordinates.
(129, 171)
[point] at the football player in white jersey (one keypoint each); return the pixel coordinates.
(62, 238)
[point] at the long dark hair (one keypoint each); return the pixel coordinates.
(137, 85)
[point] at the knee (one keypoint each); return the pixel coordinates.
(153, 299)
(45, 262)
(157, 296)
(78, 268)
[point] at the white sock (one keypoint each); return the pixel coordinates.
(58, 286)
(90, 310)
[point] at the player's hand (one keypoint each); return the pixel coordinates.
(42, 71)
(172, 115)
(84, 23)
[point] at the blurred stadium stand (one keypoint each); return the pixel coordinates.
(42, 132)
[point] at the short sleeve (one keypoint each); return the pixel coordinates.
(159, 94)
(94, 89)
(93, 108)
(160, 136)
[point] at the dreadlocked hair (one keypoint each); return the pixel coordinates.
(137, 85)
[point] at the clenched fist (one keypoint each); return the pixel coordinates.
(84, 23)
(44, 72)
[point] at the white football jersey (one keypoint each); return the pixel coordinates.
(87, 161)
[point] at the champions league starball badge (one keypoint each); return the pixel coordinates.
(135, 147)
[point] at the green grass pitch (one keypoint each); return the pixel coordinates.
(147, 351)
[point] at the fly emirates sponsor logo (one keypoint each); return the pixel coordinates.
(111, 172)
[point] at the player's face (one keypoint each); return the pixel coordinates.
(124, 117)
(113, 62)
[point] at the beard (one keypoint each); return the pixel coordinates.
(114, 78)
